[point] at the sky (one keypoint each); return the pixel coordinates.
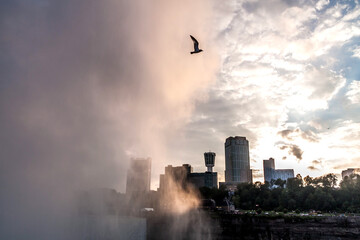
(87, 85)
(289, 81)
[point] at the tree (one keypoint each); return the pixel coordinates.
(219, 194)
(308, 180)
(293, 184)
(300, 180)
(329, 180)
(205, 192)
(280, 183)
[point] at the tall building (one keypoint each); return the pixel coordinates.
(237, 160)
(350, 171)
(138, 177)
(270, 173)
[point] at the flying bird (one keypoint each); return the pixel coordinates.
(196, 46)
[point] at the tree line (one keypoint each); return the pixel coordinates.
(295, 194)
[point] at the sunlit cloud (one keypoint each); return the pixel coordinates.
(353, 93)
(284, 78)
(356, 52)
(83, 91)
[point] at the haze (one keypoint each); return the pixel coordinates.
(86, 85)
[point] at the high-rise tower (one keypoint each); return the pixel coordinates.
(209, 160)
(237, 160)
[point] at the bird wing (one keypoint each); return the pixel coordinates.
(194, 40)
(196, 43)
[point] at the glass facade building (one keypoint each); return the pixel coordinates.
(237, 160)
(270, 173)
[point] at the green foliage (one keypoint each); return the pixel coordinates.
(213, 193)
(320, 194)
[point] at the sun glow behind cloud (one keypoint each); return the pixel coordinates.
(286, 65)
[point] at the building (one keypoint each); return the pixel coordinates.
(206, 179)
(237, 161)
(350, 171)
(184, 175)
(138, 177)
(270, 173)
(209, 160)
(174, 175)
(269, 168)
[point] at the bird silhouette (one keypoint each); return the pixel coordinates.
(196, 46)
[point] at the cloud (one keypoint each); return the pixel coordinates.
(321, 4)
(286, 67)
(283, 147)
(296, 151)
(293, 150)
(316, 165)
(353, 93)
(292, 134)
(316, 161)
(262, 77)
(310, 136)
(356, 52)
(312, 168)
(346, 165)
(86, 85)
(285, 133)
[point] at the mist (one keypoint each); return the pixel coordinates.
(85, 86)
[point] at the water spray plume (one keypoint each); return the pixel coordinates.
(178, 198)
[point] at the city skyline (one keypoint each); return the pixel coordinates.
(87, 85)
(292, 89)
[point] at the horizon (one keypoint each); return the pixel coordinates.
(292, 89)
(87, 85)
